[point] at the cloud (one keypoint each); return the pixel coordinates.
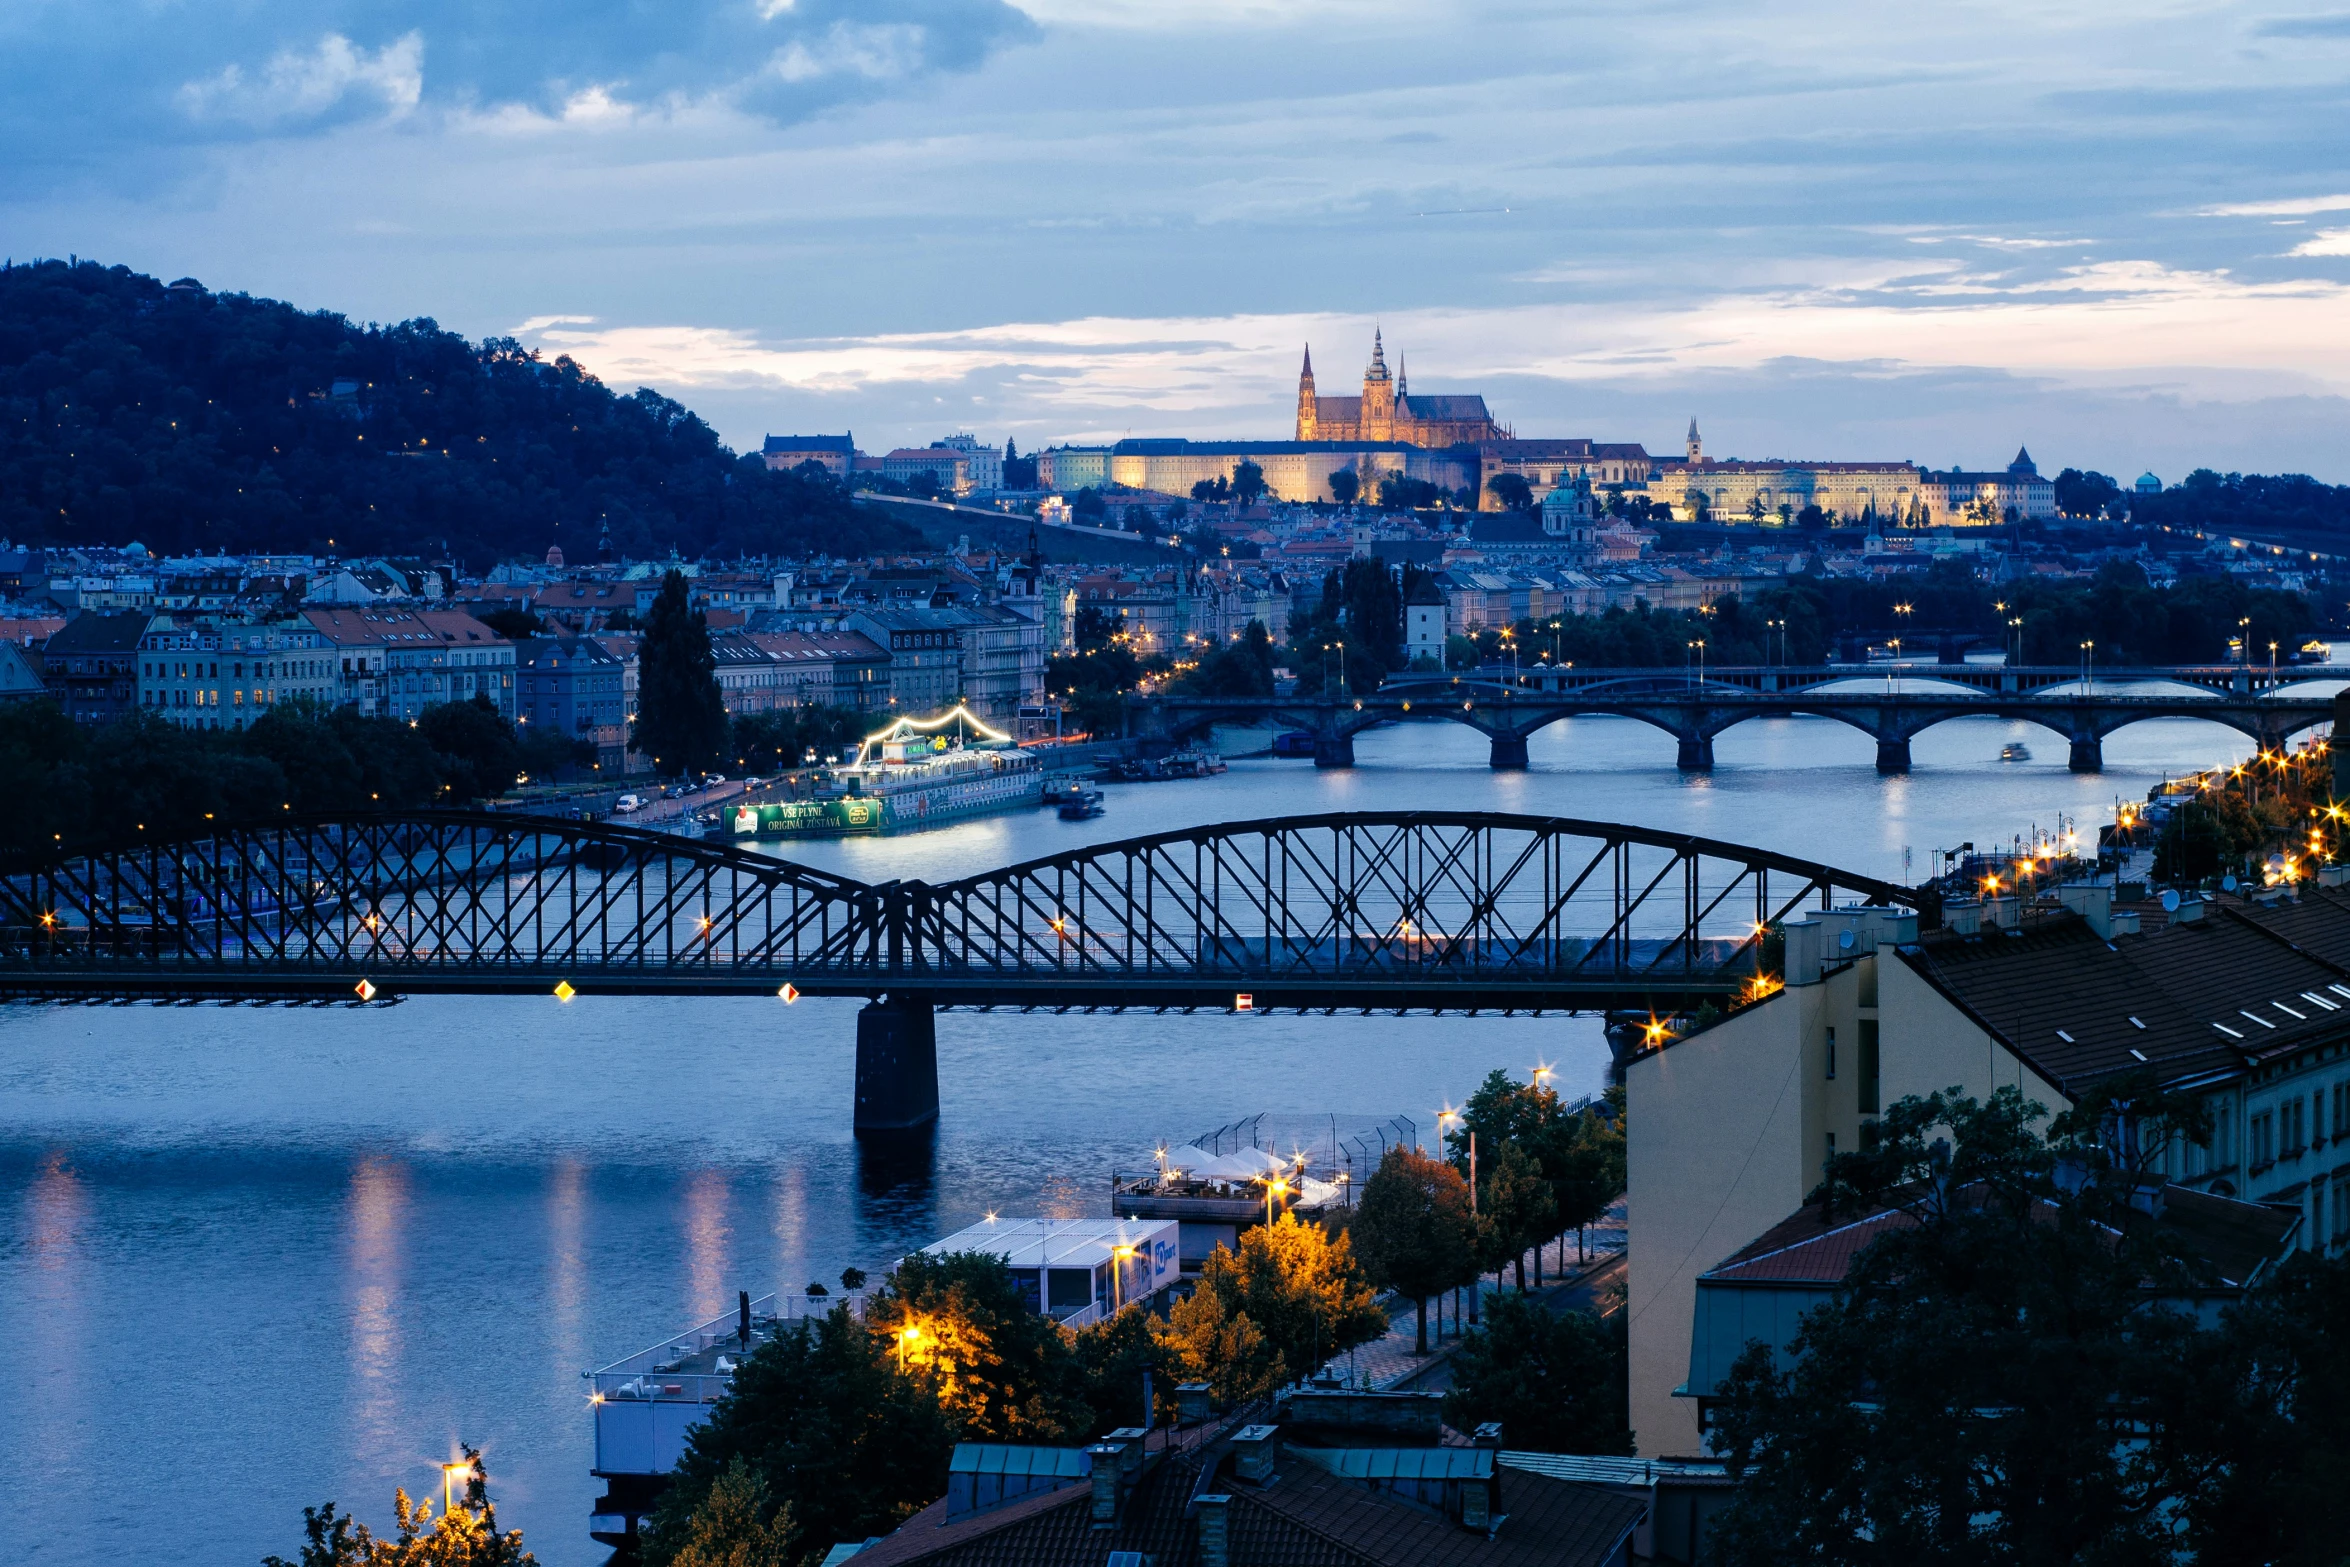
(307, 87)
(2325, 242)
(2094, 323)
(877, 53)
(2291, 206)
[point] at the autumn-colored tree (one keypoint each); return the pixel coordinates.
(738, 1525)
(1002, 1370)
(465, 1536)
(1201, 1341)
(1303, 1289)
(1414, 1231)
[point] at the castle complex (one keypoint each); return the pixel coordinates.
(1387, 411)
(1454, 443)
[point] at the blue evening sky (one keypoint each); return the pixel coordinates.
(2119, 232)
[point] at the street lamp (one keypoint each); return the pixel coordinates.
(1896, 664)
(1699, 645)
(2017, 624)
(452, 1481)
(905, 1336)
(2089, 666)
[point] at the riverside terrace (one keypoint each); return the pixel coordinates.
(1890, 703)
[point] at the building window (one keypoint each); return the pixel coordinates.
(1831, 1055)
(1868, 1066)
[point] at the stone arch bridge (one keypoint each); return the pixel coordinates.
(1694, 707)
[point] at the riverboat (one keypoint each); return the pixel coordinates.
(2015, 753)
(916, 773)
(1081, 805)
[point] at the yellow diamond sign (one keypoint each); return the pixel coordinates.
(563, 990)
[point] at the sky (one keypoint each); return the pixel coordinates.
(2118, 233)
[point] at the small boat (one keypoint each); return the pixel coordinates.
(1061, 788)
(1294, 742)
(2015, 753)
(1081, 804)
(2315, 651)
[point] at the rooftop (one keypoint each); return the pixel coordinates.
(2238, 985)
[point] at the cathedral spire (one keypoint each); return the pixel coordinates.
(1696, 445)
(1403, 379)
(1308, 371)
(1378, 354)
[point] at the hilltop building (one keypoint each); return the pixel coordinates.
(1388, 412)
(1893, 493)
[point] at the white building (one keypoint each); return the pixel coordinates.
(1078, 1270)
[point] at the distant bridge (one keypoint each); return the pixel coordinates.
(1441, 911)
(1890, 703)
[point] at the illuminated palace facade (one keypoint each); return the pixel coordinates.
(1388, 412)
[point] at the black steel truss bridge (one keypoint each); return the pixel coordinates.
(1392, 911)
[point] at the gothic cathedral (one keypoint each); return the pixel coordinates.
(1388, 412)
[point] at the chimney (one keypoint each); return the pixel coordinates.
(1215, 1531)
(2092, 901)
(2189, 911)
(1105, 1456)
(1129, 1441)
(1252, 1449)
(1962, 917)
(1489, 1435)
(1191, 1403)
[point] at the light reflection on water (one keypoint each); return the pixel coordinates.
(288, 1256)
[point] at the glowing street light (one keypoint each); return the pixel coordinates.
(453, 1477)
(905, 1335)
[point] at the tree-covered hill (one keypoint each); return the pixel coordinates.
(191, 420)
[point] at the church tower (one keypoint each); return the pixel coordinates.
(1378, 395)
(1696, 446)
(1308, 413)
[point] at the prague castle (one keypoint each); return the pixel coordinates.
(1387, 412)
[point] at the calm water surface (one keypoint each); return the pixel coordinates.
(252, 1259)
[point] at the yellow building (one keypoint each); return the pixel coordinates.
(1731, 1126)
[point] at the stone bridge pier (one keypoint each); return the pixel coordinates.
(1333, 748)
(2088, 754)
(1508, 754)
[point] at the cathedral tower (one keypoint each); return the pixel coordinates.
(1378, 422)
(1308, 413)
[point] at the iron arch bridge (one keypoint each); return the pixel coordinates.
(1447, 911)
(1695, 710)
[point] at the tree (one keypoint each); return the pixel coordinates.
(1248, 483)
(1302, 1288)
(780, 739)
(1582, 1156)
(466, 1535)
(2017, 1373)
(512, 622)
(193, 420)
(1345, 485)
(1515, 1206)
(1203, 1340)
(1512, 490)
(1001, 1369)
(822, 1416)
(1557, 1384)
(476, 746)
(1414, 1231)
(681, 718)
(738, 1525)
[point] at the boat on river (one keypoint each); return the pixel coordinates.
(916, 773)
(2015, 753)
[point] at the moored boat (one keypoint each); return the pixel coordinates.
(915, 773)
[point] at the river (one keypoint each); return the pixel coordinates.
(252, 1259)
